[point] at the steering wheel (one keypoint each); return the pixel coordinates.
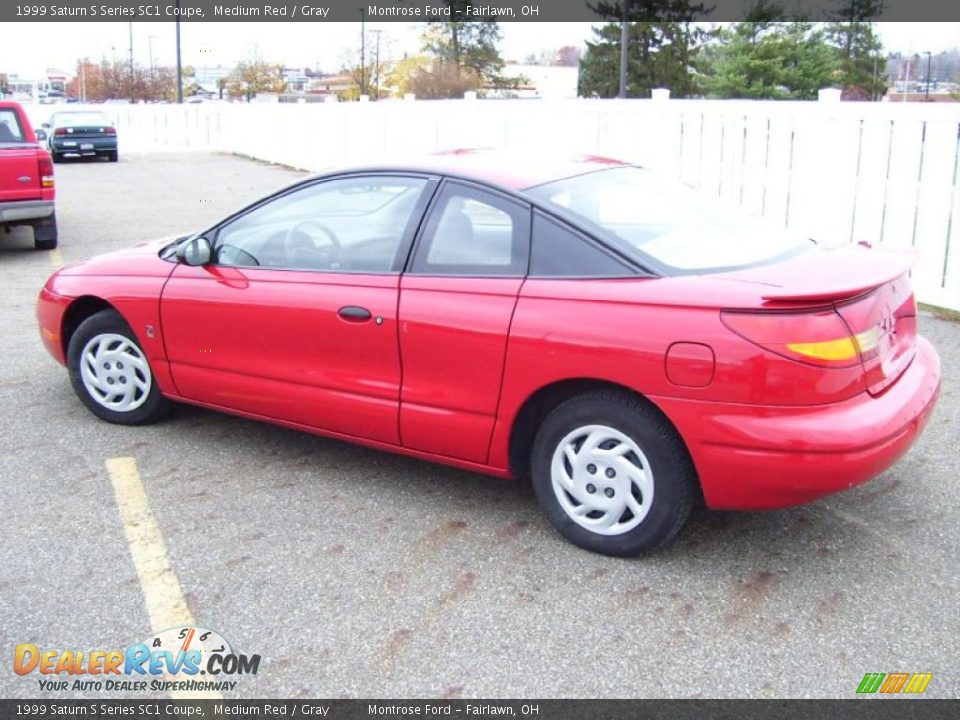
(312, 256)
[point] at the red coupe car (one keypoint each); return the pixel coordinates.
(617, 337)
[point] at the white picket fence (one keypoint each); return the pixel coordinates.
(885, 173)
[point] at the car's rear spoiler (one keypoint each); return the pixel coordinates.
(840, 274)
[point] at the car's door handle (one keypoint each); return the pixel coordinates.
(354, 313)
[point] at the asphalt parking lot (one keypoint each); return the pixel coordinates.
(357, 573)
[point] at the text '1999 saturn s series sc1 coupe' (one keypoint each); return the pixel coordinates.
(619, 339)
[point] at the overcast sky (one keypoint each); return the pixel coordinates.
(29, 48)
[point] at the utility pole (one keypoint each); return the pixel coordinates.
(363, 51)
(906, 81)
(624, 46)
(926, 97)
(131, 57)
(150, 38)
(376, 65)
(179, 65)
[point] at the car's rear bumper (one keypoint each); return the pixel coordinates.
(78, 146)
(756, 457)
(23, 210)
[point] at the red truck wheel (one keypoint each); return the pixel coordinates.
(45, 233)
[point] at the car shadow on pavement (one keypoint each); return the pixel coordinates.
(770, 534)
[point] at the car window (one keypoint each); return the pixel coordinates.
(558, 251)
(473, 232)
(80, 119)
(10, 130)
(342, 225)
(648, 216)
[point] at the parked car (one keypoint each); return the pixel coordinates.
(81, 133)
(619, 338)
(26, 178)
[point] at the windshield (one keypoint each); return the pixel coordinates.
(675, 225)
(80, 118)
(10, 130)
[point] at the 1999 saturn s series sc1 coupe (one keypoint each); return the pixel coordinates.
(619, 339)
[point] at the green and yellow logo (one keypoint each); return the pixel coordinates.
(894, 683)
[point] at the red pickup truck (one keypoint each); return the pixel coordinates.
(26, 178)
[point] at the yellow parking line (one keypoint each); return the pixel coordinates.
(161, 588)
(56, 259)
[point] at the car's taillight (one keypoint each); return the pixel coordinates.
(888, 316)
(45, 165)
(109, 131)
(818, 337)
(60, 131)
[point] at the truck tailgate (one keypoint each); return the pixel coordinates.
(19, 172)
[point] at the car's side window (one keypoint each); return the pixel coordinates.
(352, 224)
(10, 130)
(474, 232)
(559, 251)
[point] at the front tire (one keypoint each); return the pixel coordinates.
(111, 374)
(612, 475)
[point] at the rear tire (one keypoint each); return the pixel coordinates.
(56, 157)
(45, 233)
(113, 156)
(612, 475)
(111, 374)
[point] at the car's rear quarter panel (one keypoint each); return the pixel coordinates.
(619, 331)
(754, 458)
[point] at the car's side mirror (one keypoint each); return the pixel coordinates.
(196, 251)
(41, 135)
(45, 125)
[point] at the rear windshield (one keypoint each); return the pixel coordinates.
(648, 216)
(80, 119)
(10, 130)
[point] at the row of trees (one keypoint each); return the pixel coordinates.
(456, 57)
(763, 57)
(108, 80)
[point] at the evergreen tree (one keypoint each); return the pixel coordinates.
(662, 49)
(858, 48)
(768, 60)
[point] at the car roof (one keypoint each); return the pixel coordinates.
(78, 112)
(508, 169)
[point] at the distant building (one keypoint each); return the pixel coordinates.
(295, 78)
(207, 77)
(938, 97)
(547, 82)
(52, 83)
(330, 84)
(920, 91)
(936, 86)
